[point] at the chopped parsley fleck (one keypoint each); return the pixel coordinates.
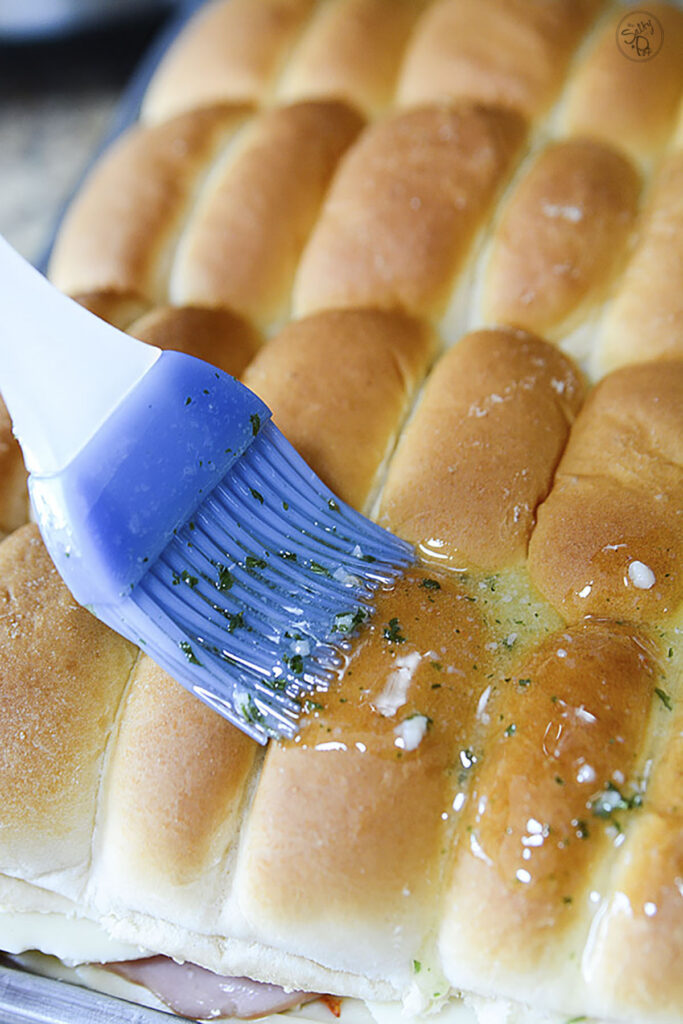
(225, 579)
(417, 966)
(511, 729)
(671, 652)
(256, 494)
(275, 684)
(611, 799)
(252, 562)
(332, 505)
(285, 506)
(345, 622)
(189, 653)
(429, 584)
(311, 705)
(665, 698)
(559, 780)
(255, 423)
(235, 620)
(523, 682)
(567, 899)
(581, 828)
(319, 569)
(288, 555)
(191, 581)
(436, 665)
(368, 558)
(295, 663)
(188, 400)
(392, 632)
(251, 712)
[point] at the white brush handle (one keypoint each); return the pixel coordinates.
(62, 369)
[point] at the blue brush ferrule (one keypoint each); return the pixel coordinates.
(108, 515)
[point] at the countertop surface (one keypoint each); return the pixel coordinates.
(57, 100)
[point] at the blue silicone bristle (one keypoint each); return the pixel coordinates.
(190, 525)
(261, 588)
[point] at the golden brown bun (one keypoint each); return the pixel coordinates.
(230, 53)
(361, 880)
(351, 50)
(339, 384)
(13, 493)
(117, 308)
(645, 320)
(624, 100)
(172, 793)
(118, 233)
(609, 539)
(453, 488)
(511, 53)
(244, 238)
(530, 839)
(404, 208)
(60, 688)
(561, 237)
(217, 336)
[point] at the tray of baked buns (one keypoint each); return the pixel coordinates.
(443, 241)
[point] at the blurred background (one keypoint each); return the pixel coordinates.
(63, 67)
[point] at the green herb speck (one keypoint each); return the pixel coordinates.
(225, 579)
(189, 653)
(429, 584)
(417, 966)
(252, 562)
(665, 698)
(255, 423)
(295, 663)
(392, 632)
(319, 569)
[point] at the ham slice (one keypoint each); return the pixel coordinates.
(192, 991)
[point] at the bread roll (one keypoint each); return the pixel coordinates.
(119, 233)
(13, 494)
(452, 489)
(620, 98)
(510, 54)
(561, 238)
(609, 539)
(215, 335)
(231, 52)
(244, 238)
(404, 209)
(487, 800)
(645, 320)
(340, 384)
(351, 50)
(63, 676)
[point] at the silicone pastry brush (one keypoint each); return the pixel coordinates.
(177, 512)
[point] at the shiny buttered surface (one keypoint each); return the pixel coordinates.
(444, 242)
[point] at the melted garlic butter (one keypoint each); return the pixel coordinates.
(421, 671)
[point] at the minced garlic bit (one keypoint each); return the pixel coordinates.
(641, 575)
(410, 732)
